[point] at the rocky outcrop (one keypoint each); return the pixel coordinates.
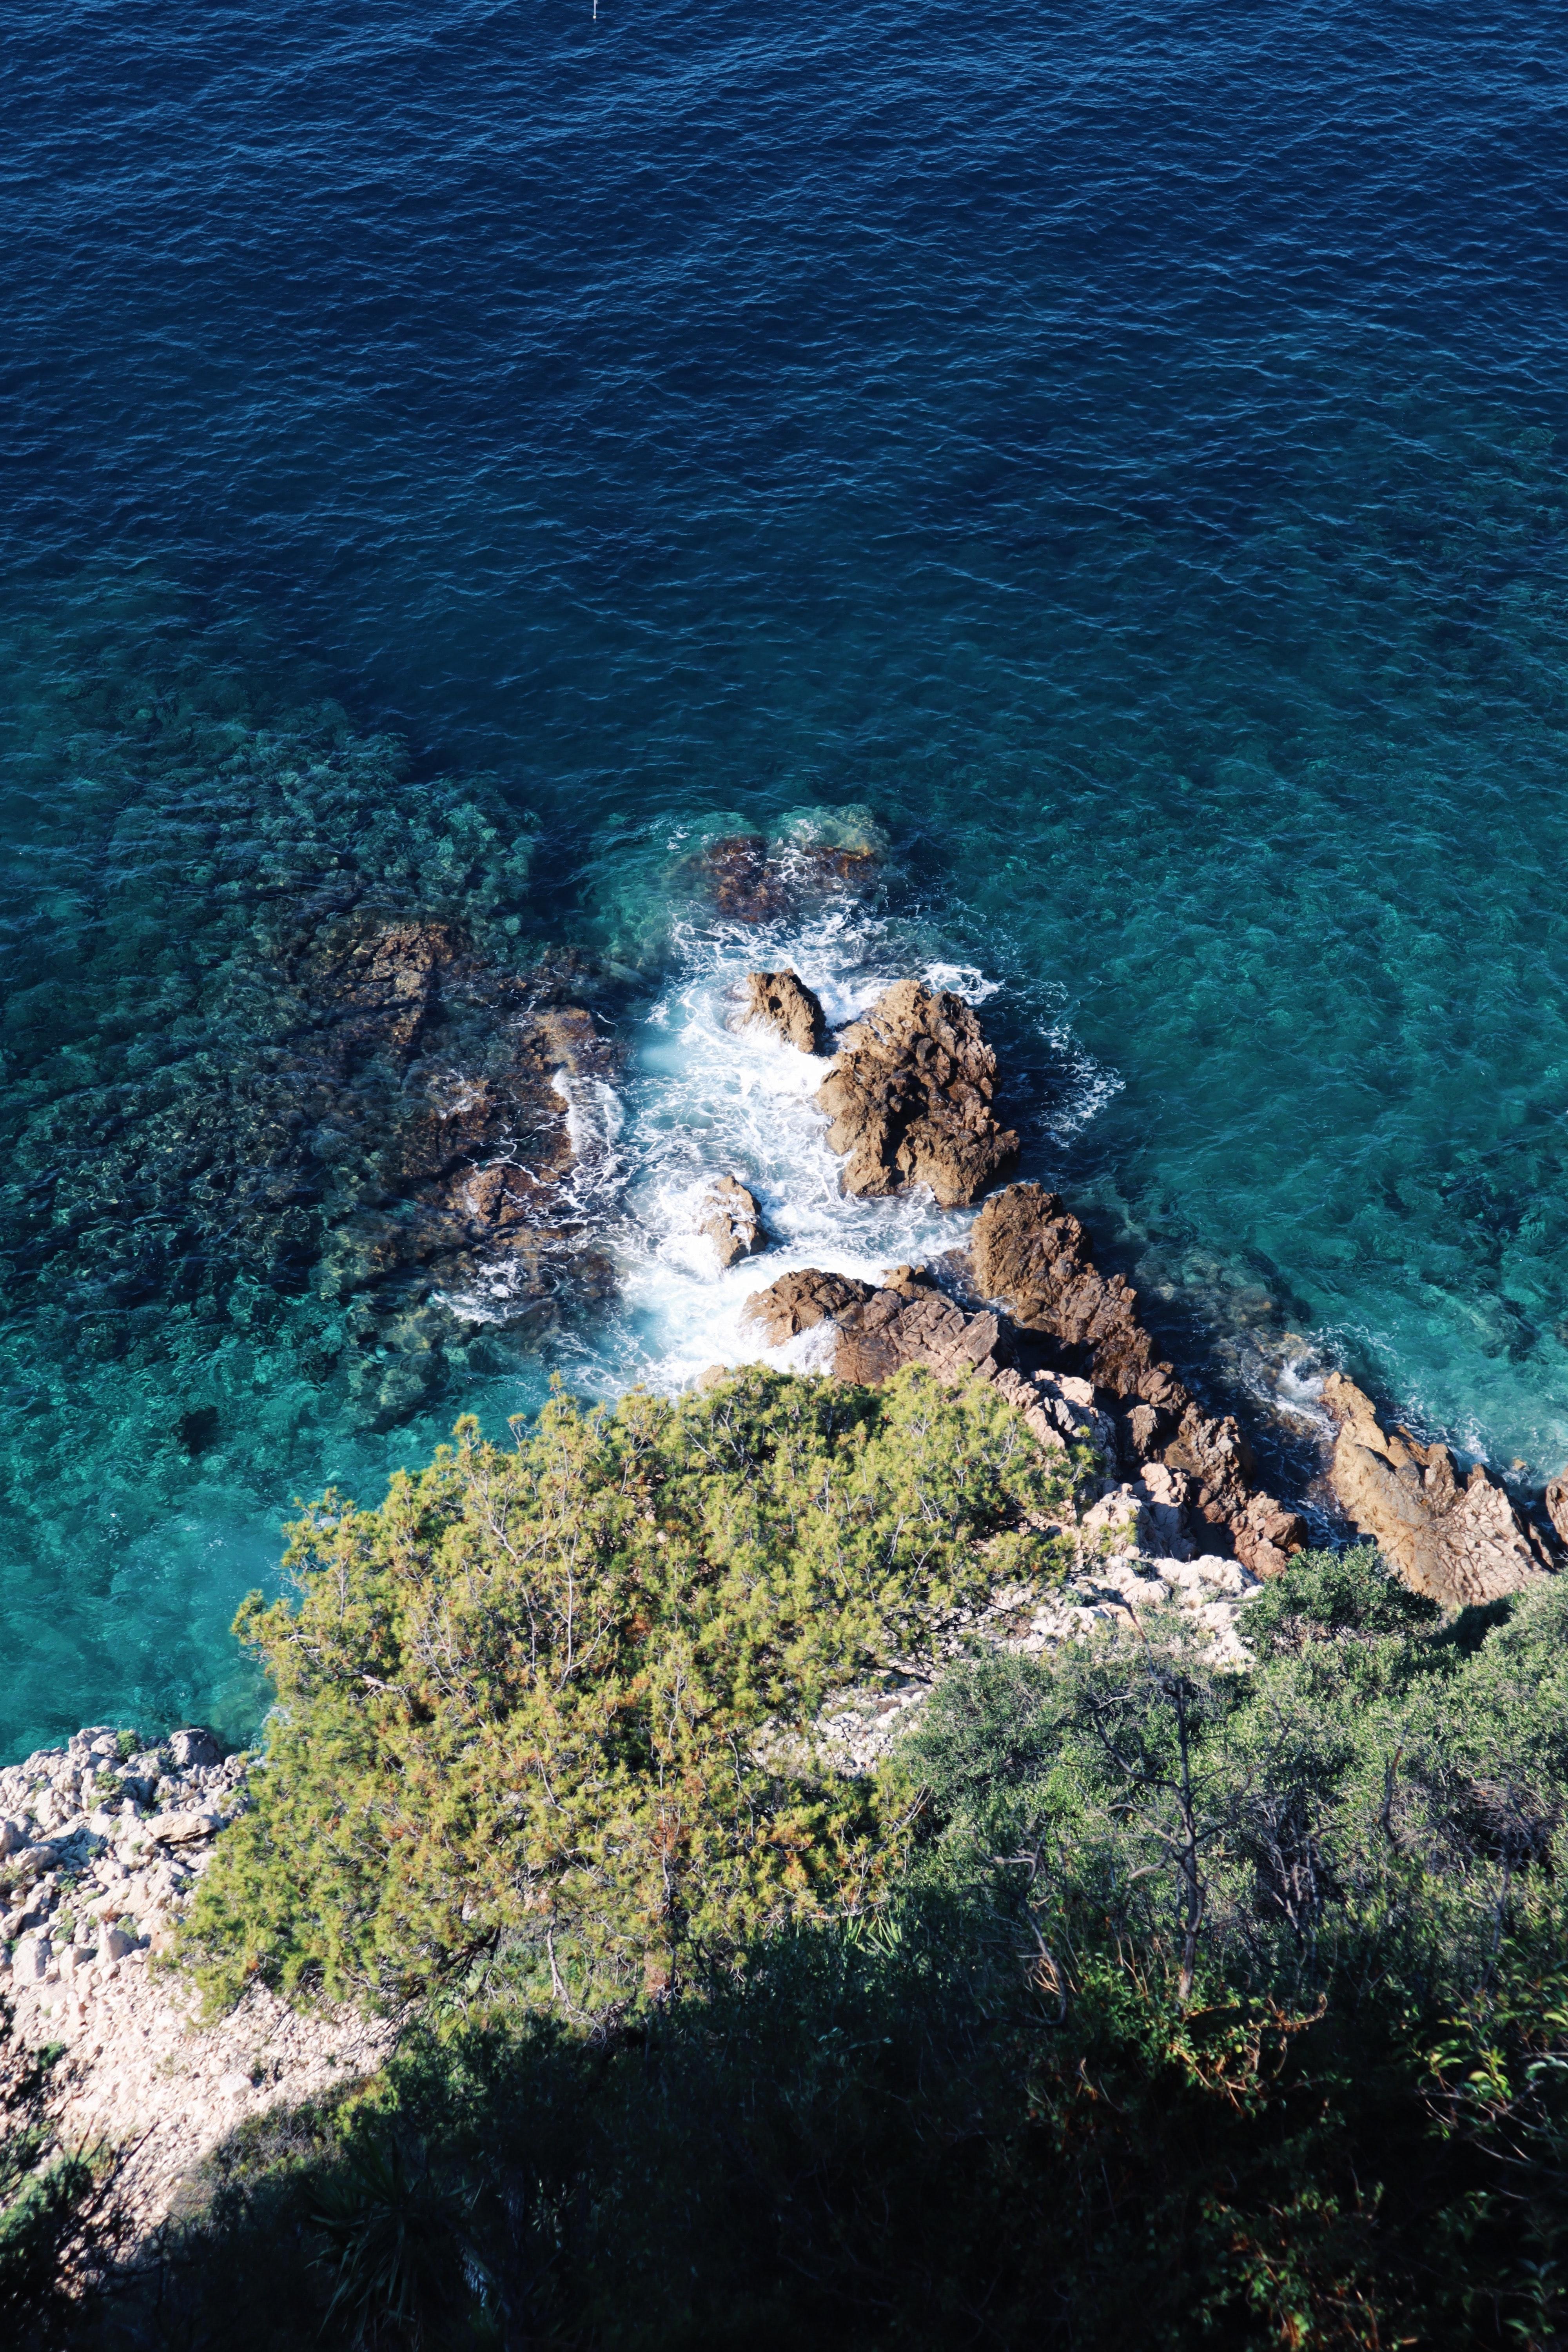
(1030, 1252)
(1555, 1500)
(101, 1852)
(1195, 1480)
(781, 1001)
(799, 1302)
(879, 1328)
(910, 1097)
(755, 880)
(732, 1221)
(1458, 1544)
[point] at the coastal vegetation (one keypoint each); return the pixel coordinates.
(541, 1715)
(1134, 1998)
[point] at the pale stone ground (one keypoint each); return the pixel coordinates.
(1125, 1580)
(99, 1854)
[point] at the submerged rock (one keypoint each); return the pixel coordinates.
(1459, 1545)
(754, 878)
(910, 1097)
(309, 1083)
(743, 880)
(781, 1001)
(733, 1223)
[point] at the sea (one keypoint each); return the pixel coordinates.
(464, 460)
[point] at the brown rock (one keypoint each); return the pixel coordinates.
(879, 1335)
(798, 1302)
(733, 1223)
(909, 1098)
(782, 1002)
(1030, 1251)
(1557, 1504)
(880, 1330)
(1458, 1545)
(1266, 1536)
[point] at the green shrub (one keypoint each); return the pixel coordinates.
(1373, 1800)
(543, 1711)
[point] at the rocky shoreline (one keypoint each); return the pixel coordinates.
(909, 1095)
(104, 1841)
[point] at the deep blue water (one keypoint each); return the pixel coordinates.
(1116, 446)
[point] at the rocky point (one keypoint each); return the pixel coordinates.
(1459, 1543)
(1029, 1259)
(909, 1095)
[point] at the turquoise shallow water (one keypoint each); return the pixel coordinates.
(463, 455)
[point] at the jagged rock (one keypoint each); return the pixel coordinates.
(1060, 1409)
(1459, 1545)
(1113, 1526)
(1556, 1500)
(1266, 1536)
(193, 1747)
(915, 1325)
(1030, 1251)
(1147, 1516)
(798, 1302)
(909, 1098)
(1203, 1483)
(1148, 1430)
(908, 1321)
(733, 1223)
(782, 1002)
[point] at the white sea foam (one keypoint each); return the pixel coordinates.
(1091, 1085)
(701, 1098)
(966, 980)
